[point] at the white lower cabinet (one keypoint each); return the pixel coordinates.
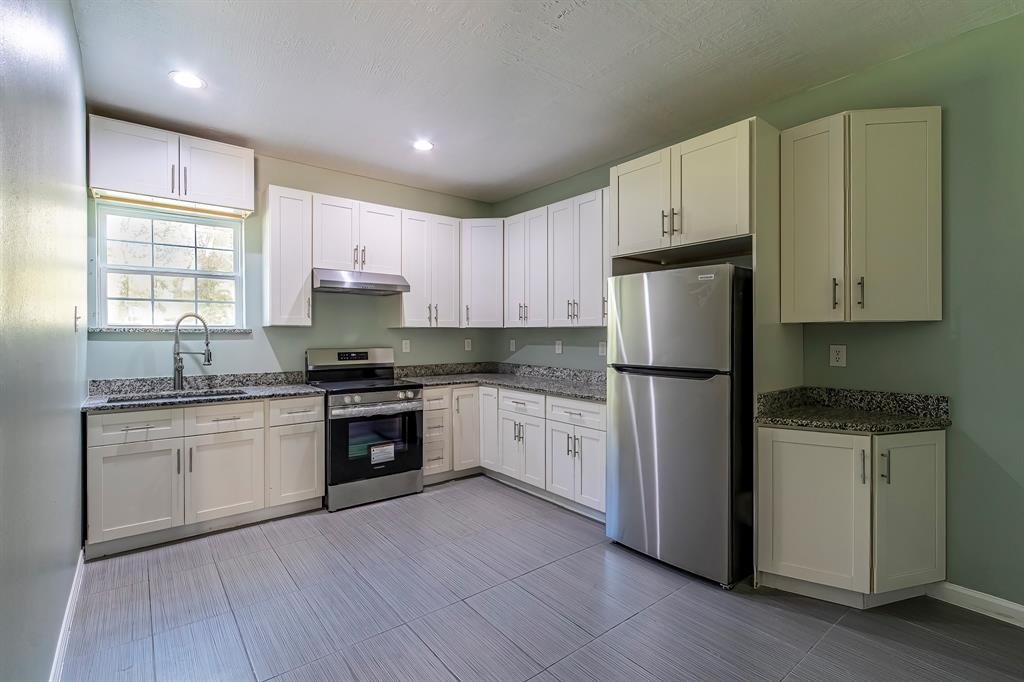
(294, 463)
(531, 440)
(816, 521)
(224, 475)
(489, 441)
(134, 488)
(437, 441)
(576, 463)
(510, 455)
(465, 428)
(561, 475)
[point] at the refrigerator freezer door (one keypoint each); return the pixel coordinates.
(674, 318)
(668, 469)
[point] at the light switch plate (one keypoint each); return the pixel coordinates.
(602, 348)
(468, 344)
(512, 345)
(405, 345)
(558, 347)
(837, 356)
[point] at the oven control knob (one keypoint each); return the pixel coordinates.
(401, 395)
(348, 399)
(357, 398)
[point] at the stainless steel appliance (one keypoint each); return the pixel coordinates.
(374, 425)
(680, 410)
(359, 282)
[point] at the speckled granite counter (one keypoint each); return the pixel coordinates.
(555, 387)
(852, 411)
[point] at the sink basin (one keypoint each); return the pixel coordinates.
(170, 395)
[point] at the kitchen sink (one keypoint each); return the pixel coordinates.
(170, 395)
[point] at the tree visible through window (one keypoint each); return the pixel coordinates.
(154, 266)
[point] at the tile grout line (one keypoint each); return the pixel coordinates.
(234, 618)
(816, 643)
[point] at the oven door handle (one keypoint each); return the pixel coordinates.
(350, 411)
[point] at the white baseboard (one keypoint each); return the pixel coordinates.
(972, 600)
(69, 615)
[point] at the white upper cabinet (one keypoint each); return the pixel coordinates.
(640, 203)
(861, 223)
(576, 261)
(380, 235)
(287, 258)
(430, 261)
(335, 232)
(526, 269)
(562, 257)
(135, 159)
(711, 186)
(482, 287)
(515, 270)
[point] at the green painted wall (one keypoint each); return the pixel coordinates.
(973, 355)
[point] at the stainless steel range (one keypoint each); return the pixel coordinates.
(374, 425)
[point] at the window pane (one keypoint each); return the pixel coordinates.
(129, 253)
(215, 289)
(129, 313)
(168, 312)
(216, 261)
(174, 257)
(128, 286)
(219, 314)
(215, 237)
(128, 229)
(169, 232)
(174, 288)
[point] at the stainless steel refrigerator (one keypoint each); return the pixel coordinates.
(680, 411)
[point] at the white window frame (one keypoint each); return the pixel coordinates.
(103, 208)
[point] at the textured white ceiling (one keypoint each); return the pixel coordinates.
(514, 94)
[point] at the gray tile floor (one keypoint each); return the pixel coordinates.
(473, 580)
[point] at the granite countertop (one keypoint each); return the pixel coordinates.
(551, 386)
(852, 411)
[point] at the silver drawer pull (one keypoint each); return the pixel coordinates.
(225, 419)
(578, 414)
(435, 459)
(518, 402)
(137, 428)
(306, 411)
(435, 427)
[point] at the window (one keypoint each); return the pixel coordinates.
(154, 266)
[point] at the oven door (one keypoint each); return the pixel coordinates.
(369, 441)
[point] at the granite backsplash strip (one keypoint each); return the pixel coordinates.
(192, 383)
(590, 377)
(229, 331)
(409, 371)
(916, 404)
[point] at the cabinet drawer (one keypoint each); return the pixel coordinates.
(437, 398)
(118, 428)
(223, 417)
(579, 412)
(295, 411)
(521, 402)
(437, 425)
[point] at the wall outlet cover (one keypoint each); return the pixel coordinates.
(512, 345)
(602, 348)
(837, 356)
(468, 344)
(558, 347)
(405, 345)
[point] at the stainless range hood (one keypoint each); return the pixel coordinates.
(356, 282)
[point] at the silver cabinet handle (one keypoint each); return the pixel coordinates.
(190, 460)
(364, 256)
(664, 230)
(458, 399)
(435, 315)
(429, 321)
(575, 446)
(604, 306)
(672, 222)
(576, 310)
(435, 459)
(863, 468)
(467, 314)
(309, 308)
(355, 256)
(888, 467)
(435, 427)
(518, 402)
(520, 312)
(835, 293)
(173, 169)
(185, 169)
(567, 453)
(226, 419)
(568, 309)
(526, 312)
(137, 428)
(179, 460)
(578, 414)
(860, 283)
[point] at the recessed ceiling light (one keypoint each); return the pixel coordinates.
(423, 145)
(186, 79)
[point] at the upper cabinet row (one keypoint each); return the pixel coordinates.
(126, 158)
(861, 217)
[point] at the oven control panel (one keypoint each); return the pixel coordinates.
(374, 398)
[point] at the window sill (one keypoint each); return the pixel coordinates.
(239, 331)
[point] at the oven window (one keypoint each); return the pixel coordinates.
(365, 435)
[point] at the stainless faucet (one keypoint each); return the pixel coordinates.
(179, 363)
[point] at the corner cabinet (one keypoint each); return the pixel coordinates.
(861, 217)
(287, 258)
(430, 262)
(816, 520)
(482, 262)
(526, 269)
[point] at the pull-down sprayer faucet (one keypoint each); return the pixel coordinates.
(179, 363)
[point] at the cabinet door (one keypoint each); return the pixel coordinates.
(444, 271)
(134, 488)
(589, 483)
(910, 509)
(814, 507)
(896, 214)
(224, 475)
(216, 173)
(380, 239)
(510, 454)
(562, 257)
(536, 309)
(489, 440)
(466, 428)
(437, 441)
(131, 158)
(515, 270)
(335, 232)
(561, 461)
(287, 258)
(813, 222)
(417, 310)
(640, 202)
(606, 246)
(295, 463)
(482, 286)
(711, 186)
(589, 239)
(534, 444)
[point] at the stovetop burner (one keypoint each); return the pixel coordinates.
(358, 376)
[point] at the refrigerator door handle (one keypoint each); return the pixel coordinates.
(670, 372)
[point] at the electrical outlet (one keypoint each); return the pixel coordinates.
(405, 345)
(837, 356)
(469, 344)
(558, 347)
(602, 348)
(512, 345)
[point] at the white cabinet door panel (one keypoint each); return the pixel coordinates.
(561, 463)
(640, 203)
(295, 463)
(132, 158)
(483, 297)
(466, 428)
(490, 449)
(335, 232)
(537, 268)
(444, 270)
(216, 173)
(533, 442)
(287, 258)
(562, 259)
(417, 310)
(224, 475)
(515, 270)
(510, 453)
(589, 273)
(589, 484)
(380, 239)
(606, 248)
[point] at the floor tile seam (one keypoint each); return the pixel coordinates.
(938, 633)
(814, 646)
(262, 599)
(152, 626)
(238, 626)
(432, 652)
(400, 616)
